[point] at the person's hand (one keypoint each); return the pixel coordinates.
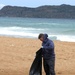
(41, 46)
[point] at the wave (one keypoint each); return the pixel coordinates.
(68, 38)
(69, 31)
(19, 31)
(19, 28)
(33, 33)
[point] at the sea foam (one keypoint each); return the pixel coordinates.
(30, 33)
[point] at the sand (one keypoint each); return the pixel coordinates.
(17, 55)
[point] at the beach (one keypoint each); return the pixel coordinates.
(17, 55)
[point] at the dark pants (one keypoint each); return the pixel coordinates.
(49, 65)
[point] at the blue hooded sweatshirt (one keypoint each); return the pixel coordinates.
(48, 48)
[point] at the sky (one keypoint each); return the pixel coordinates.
(35, 3)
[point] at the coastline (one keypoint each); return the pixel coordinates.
(17, 55)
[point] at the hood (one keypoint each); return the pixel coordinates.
(45, 37)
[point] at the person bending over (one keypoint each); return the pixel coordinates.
(48, 54)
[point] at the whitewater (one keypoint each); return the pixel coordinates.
(57, 29)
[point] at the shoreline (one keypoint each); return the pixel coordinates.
(17, 37)
(17, 55)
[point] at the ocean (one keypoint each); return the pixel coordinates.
(57, 29)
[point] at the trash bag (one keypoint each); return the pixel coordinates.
(36, 67)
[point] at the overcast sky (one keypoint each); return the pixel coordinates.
(35, 3)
